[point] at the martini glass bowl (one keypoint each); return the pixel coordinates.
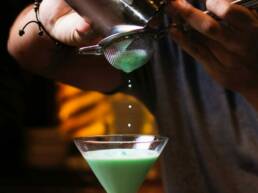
(121, 162)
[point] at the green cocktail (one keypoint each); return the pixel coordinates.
(120, 162)
(121, 170)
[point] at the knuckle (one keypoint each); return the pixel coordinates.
(244, 45)
(227, 12)
(188, 13)
(210, 4)
(210, 27)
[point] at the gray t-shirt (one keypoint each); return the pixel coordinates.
(213, 132)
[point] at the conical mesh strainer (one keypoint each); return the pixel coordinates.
(129, 54)
(125, 51)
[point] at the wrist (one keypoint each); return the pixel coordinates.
(34, 52)
(41, 29)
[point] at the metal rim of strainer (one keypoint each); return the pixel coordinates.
(99, 48)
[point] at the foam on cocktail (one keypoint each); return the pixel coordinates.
(113, 154)
(121, 170)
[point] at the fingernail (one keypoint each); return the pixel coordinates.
(83, 26)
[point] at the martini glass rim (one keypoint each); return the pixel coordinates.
(93, 139)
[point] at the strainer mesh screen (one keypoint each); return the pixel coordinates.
(129, 54)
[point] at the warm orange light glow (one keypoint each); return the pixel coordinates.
(91, 113)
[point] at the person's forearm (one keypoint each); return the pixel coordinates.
(40, 54)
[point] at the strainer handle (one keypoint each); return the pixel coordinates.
(91, 50)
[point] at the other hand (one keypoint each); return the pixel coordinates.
(227, 47)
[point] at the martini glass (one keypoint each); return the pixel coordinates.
(121, 162)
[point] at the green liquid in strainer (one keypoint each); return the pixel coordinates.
(130, 60)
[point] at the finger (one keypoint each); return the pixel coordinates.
(202, 22)
(208, 26)
(50, 11)
(255, 13)
(197, 50)
(236, 15)
(226, 57)
(71, 29)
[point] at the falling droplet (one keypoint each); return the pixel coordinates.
(129, 83)
(130, 106)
